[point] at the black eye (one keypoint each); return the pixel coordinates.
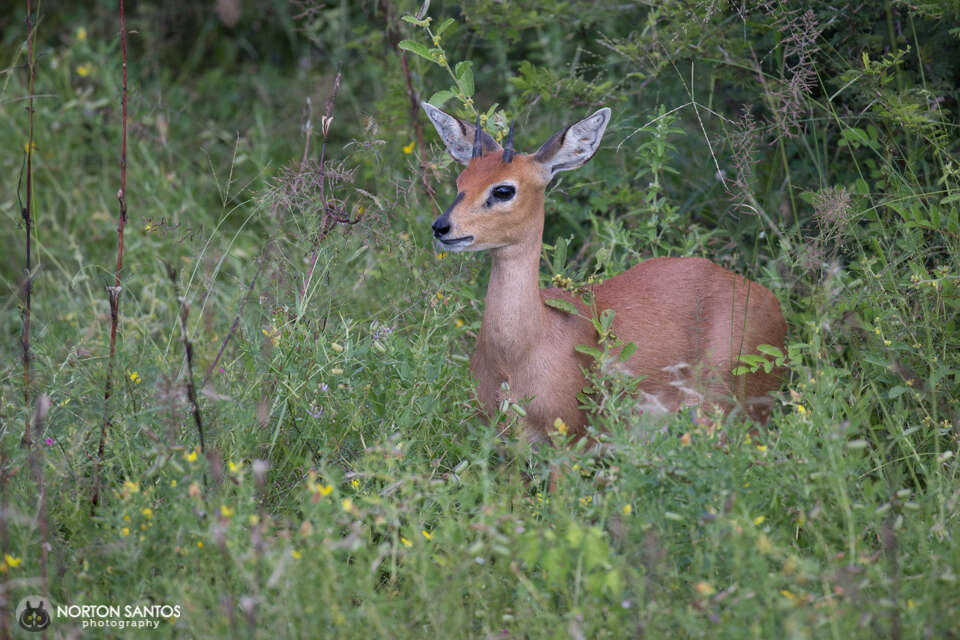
(503, 192)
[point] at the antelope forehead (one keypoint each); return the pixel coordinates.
(489, 171)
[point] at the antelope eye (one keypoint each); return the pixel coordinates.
(503, 192)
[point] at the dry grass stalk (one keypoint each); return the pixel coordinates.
(113, 292)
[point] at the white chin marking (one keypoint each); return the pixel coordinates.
(459, 247)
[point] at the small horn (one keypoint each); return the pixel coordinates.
(477, 142)
(508, 145)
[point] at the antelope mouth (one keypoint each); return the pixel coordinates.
(455, 244)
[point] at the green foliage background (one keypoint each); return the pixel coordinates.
(347, 487)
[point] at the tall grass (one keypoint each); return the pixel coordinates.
(343, 484)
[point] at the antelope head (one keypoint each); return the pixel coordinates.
(500, 192)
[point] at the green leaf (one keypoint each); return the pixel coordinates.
(464, 73)
(413, 20)
(752, 360)
(562, 305)
(560, 254)
(596, 552)
(614, 582)
(417, 48)
(440, 97)
(628, 350)
(739, 371)
(444, 26)
(897, 391)
(770, 350)
(606, 319)
(593, 352)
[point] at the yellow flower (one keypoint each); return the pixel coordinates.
(787, 594)
(173, 483)
(321, 489)
(147, 513)
(560, 426)
(273, 335)
(226, 511)
(131, 486)
(759, 520)
(405, 542)
(294, 554)
(254, 519)
(191, 456)
(887, 343)
(802, 410)
(199, 544)
(441, 255)
(11, 561)
(125, 531)
(409, 148)
(355, 483)
(627, 509)
(29, 146)
(704, 588)
(761, 447)
(135, 378)
(347, 505)
(427, 534)
(458, 322)
(84, 70)
(81, 34)
(234, 467)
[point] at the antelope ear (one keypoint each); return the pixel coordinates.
(457, 135)
(570, 148)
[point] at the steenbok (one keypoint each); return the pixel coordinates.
(690, 319)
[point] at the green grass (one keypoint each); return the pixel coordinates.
(348, 488)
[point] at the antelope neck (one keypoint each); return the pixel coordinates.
(513, 313)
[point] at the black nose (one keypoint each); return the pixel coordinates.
(441, 226)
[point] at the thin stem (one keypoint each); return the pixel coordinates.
(26, 213)
(325, 129)
(113, 292)
(188, 356)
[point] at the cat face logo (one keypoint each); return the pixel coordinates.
(33, 613)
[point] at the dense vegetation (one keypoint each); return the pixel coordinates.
(332, 477)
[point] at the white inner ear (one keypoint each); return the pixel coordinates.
(581, 142)
(451, 132)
